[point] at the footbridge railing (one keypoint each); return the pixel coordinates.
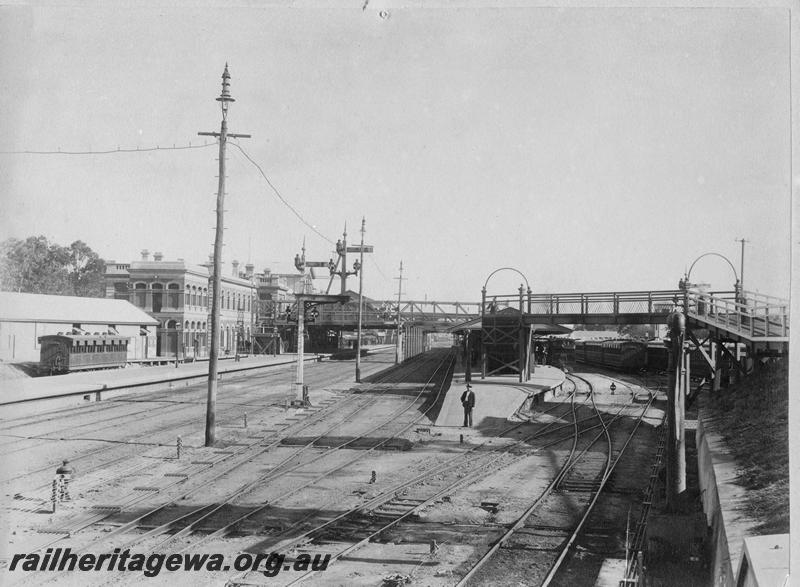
(385, 313)
(750, 314)
(586, 304)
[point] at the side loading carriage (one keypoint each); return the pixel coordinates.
(67, 353)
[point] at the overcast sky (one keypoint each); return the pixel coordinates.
(593, 149)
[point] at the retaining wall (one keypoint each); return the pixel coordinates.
(723, 502)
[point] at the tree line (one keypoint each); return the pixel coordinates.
(35, 265)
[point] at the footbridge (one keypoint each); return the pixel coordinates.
(430, 315)
(758, 320)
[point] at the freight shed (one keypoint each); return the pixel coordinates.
(24, 317)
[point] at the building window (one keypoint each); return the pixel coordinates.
(121, 290)
(140, 296)
(158, 297)
(174, 295)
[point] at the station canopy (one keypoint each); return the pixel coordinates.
(510, 317)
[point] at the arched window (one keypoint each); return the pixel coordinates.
(188, 300)
(194, 296)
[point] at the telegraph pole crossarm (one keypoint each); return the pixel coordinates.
(224, 99)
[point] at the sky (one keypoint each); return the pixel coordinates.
(590, 148)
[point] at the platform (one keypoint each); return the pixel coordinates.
(16, 391)
(496, 397)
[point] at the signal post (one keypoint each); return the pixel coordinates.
(304, 301)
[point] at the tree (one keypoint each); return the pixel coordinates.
(34, 265)
(85, 269)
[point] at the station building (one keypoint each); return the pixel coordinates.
(24, 317)
(178, 296)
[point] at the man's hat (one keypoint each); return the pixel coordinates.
(469, 386)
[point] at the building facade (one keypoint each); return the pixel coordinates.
(178, 296)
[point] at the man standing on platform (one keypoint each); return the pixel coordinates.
(468, 401)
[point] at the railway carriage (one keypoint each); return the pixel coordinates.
(553, 350)
(626, 355)
(67, 353)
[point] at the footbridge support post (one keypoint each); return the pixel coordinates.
(676, 389)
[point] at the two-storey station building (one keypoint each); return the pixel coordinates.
(178, 295)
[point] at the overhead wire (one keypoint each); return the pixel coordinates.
(280, 196)
(109, 151)
(260, 169)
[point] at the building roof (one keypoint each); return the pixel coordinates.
(27, 307)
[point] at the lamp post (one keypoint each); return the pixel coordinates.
(398, 347)
(177, 342)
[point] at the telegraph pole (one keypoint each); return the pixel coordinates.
(360, 302)
(398, 348)
(223, 135)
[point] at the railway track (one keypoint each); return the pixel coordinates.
(251, 401)
(401, 503)
(534, 548)
(359, 403)
(341, 522)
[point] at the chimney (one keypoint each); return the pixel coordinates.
(248, 270)
(157, 256)
(235, 268)
(145, 255)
